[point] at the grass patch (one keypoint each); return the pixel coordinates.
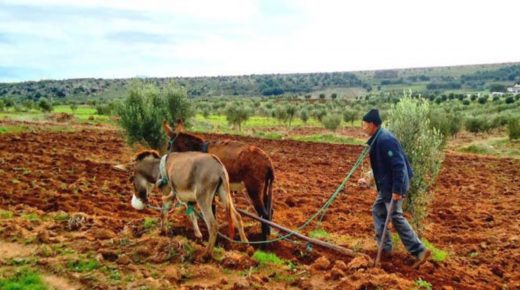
(32, 217)
(501, 147)
(82, 265)
(149, 223)
(423, 284)
(5, 214)
(438, 255)
(328, 138)
(264, 258)
(13, 129)
(61, 216)
(24, 279)
(269, 135)
(278, 277)
(319, 234)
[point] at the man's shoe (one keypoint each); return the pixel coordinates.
(422, 257)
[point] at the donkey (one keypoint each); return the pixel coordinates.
(247, 165)
(191, 177)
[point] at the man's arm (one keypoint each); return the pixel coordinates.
(396, 157)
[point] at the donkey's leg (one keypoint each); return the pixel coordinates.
(205, 200)
(194, 221)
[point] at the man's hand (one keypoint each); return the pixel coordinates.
(396, 196)
(363, 183)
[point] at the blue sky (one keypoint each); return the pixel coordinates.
(58, 39)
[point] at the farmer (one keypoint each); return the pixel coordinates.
(391, 173)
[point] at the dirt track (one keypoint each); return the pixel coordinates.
(474, 215)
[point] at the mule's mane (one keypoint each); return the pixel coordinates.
(191, 137)
(145, 153)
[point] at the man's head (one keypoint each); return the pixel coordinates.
(371, 122)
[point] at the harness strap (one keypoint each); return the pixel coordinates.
(205, 147)
(163, 178)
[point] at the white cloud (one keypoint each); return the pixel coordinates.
(64, 39)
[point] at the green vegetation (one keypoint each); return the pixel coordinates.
(438, 255)
(513, 129)
(331, 122)
(502, 147)
(31, 217)
(423, 284)
(319, 234)
(82, 265)
(328, 138)
(24, 279)
(149, 223)
(146, 107)
(409, 121)
(5, 214)
(265, 259)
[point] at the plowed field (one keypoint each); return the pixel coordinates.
(68, 204)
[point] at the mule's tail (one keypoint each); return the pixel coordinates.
(268, 192)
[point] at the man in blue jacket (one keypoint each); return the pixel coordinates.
(391, 173)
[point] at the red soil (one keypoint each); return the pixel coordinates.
(474, 215)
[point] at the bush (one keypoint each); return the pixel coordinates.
(236, 115)
(45, 105)
(331, 122)
(477, 125)
(73, 107)
(409, 121)
(350, 116)
(513, 128)
(447, 123)
(510, 100)
(143, 111)
(178, 106)
(304, 116)
(291, 111)
(105, 109)
(482, 100)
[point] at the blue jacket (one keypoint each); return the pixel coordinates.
(392, 171)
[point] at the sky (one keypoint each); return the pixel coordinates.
(59, 39)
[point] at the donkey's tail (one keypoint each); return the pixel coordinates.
(225, 197)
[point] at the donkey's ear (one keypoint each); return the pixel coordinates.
(168, 129)
(126, 167)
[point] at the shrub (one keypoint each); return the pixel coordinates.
(178, 106)
(291, 111)
(510, 100)
(45, 105)
(447, 123)
(280, 113)
(236, 115)
(73, 107)
(304, 116)
(477, 124)
(513, 128)
(350, 115)
(482, 100)
(331, 122)
(409, 121)
(141, 115)
(105, 109)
